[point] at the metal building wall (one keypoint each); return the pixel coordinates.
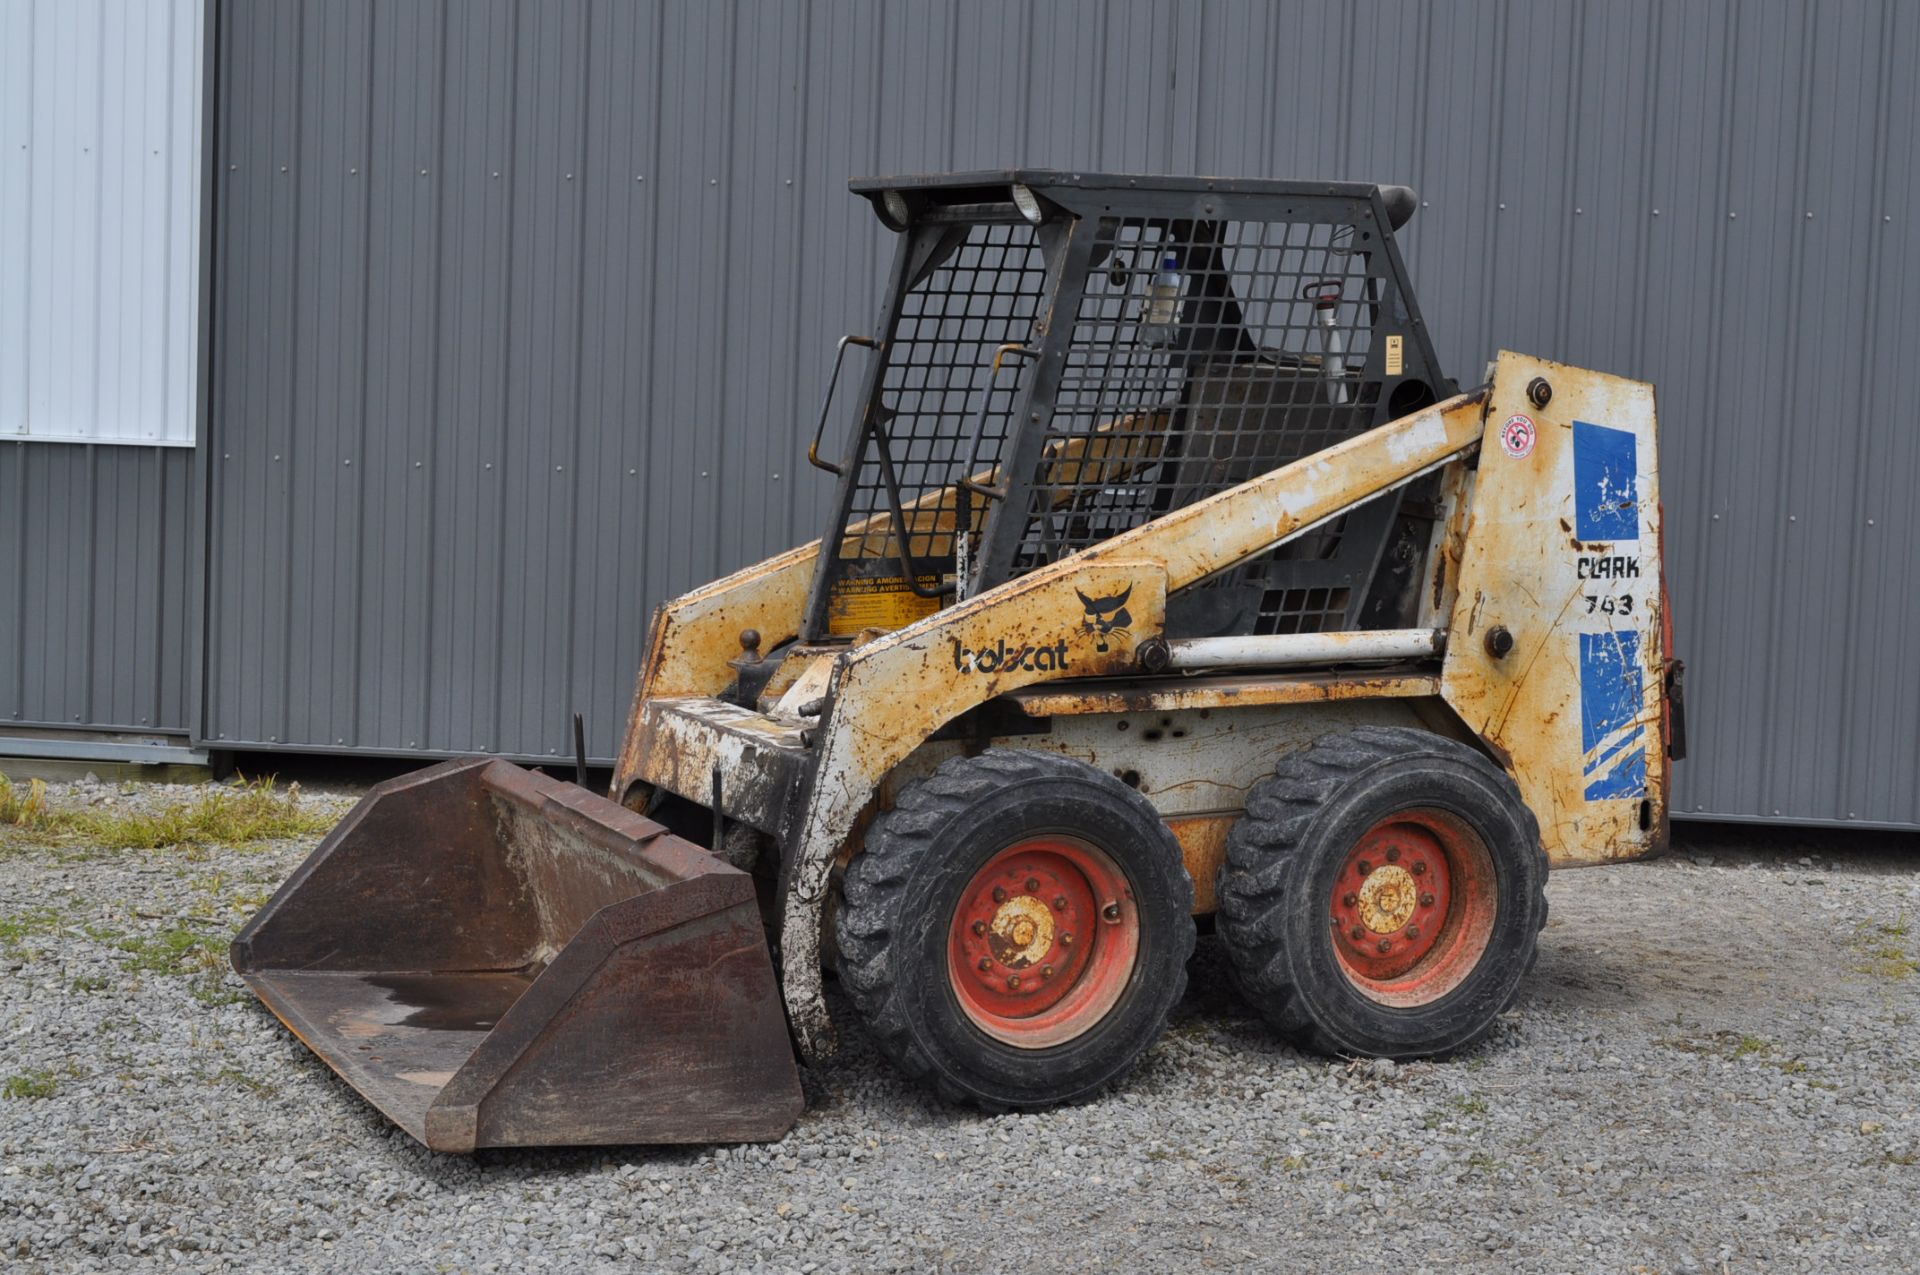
(100, 211)
(95, 597)
(101, 231)
(522, 312)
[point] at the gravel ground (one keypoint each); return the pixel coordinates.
(1714, 1067)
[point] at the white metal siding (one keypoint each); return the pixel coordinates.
(100, 212)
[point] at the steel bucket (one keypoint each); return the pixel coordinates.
(496, 958)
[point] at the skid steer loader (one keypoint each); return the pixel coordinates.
(1167, 577)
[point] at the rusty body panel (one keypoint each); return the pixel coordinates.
(694, 636)
(495, 958)
(1212, 535)
(1561, 565)
(1165, 694)
(761, 759)
(1203, 847)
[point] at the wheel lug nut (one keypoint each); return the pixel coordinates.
(985, 964)
(1060, 904)
(1419, 869)
(1046, 971)
(1033, 884)
(1066, 940)
(979, 928)
(1365, 867)
(1359, 932)
(1393, 855)
(999, 895)
(1013, 984)
(1351, 900)
(1413, 931)
(1426, 900)
(1111, 912)
(1386, 945)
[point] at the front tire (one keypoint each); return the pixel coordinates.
(1016, 930)
(1383, 894)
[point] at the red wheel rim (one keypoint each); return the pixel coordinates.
(1043, 941)
(1413, 907)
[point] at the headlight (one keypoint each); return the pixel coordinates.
(1028, 204)
(898, 215)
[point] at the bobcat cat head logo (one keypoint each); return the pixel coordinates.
(1106, 616)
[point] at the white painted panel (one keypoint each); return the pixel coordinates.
(100, 111)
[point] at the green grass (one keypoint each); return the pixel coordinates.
(1457, 1106)
(212, 992)
(1882, 948)
(1721, 1044)
(16, 930)
(39, 1083)
(253, 1085)
(229, 816)
(23, 810)
(1738, 1045)
(245, 813)
(182, 949)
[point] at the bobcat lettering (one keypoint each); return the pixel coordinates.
(1000, 656)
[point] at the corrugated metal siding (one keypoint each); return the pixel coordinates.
(101, 227)
(100, 219)
(470, 428)
(94, 598)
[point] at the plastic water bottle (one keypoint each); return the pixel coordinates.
(1163, 303)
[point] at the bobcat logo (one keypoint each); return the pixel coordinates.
(1107, 616)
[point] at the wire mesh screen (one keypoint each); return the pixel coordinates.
(1048, 386)
(979, 289)
(1203, 354)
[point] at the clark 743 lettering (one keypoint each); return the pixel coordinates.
(992, 659)
(1609, 567)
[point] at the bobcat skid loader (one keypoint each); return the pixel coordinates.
(1167, 577)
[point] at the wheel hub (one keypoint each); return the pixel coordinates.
(1391, 899)
(1387, 899)
(1021, 932)
(1042, 941)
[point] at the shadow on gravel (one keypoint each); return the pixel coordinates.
(1837, 849)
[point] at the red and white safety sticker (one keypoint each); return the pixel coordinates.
(1517, 435)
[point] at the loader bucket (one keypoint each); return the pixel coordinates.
(494, 958)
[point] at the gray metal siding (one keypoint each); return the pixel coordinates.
(94, 603)
(470, 428)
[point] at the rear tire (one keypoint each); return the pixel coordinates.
(1383, 894)
(1058, 878)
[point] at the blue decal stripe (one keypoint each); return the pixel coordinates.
(1628, 779)
(1610, 695)
(1606, 504)
(1609, 751)
(1612, 698)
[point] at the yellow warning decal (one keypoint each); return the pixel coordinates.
(1396, 355)
(878, 602)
